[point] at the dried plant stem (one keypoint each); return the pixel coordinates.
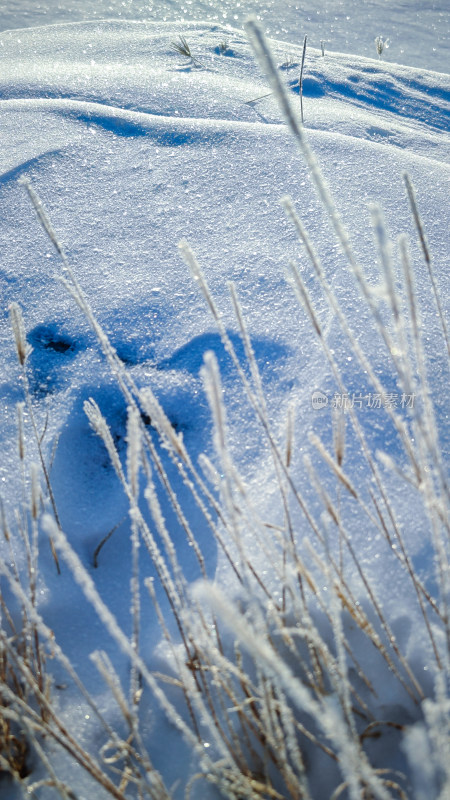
(300, 81)
(426, 254)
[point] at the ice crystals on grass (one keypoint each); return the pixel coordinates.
(381, 44)
(23, 349)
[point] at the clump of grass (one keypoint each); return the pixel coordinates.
(23, 350)
(24, 682)
(183, 48)
(33, 735)
(289, 62)
(381, 45)
(14, 748)
(223, 46)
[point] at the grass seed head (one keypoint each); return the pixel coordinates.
(18, 327)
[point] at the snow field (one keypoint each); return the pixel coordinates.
(128, 158)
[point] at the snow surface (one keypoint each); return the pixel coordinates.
(132, 148)
(418, 33)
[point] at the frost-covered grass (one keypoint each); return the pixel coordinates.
(266, 606)
(273, 691)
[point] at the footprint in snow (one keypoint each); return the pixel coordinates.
(53, 350)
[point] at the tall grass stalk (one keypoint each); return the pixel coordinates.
(300, 81)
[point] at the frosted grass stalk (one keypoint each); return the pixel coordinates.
(174, 594)
(427, 425)
(210, 374)
(46, 633)
(342, 685)
(18, 328)
(305, 301)
(323, 713)
(197, 275)
(191, 478)
(400, 354)
(248, 349)
(44, 219)
(182, 615)
(87, 585)
(103, 663)
(212, 383)
(428, 442)
(178, 590)
(251, 360)
(57, 730)
(426, 252)
(65, 791)
(101, 428)
(337, 310)
(358, 614)
(298, 778)
(134, 447)
(385, 257)
(139, 757)
(264, 56)
(340, 681)
(135, 611)
(175, 591)
(23, 351)
(300, 82)
(199, 279)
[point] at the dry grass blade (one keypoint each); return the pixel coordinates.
(300, 80)
(426, 253)
(183, 48)
(23, 350)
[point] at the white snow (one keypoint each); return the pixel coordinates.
(132, 148)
